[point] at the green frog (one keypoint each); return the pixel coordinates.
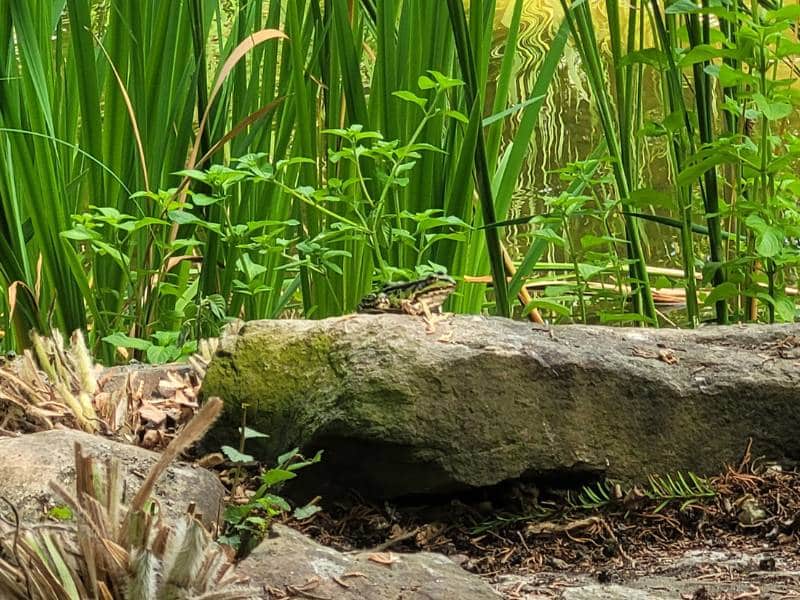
(422, 297)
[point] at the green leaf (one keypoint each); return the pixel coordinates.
(273, 476)
(79, 234)
(549, 235)
(159, 355)
(445, 82)
(701, 53)
(756, 223)
(772, 110)
(182, 217)
(304, 512)
(587, 271)
(550, 305)
(195, 174)
(769, 242)
(235, 456)
(785, 309)
(124, 341)
(305, 463)
(147, 222)
(271, 501)
(411, 97)
(287, 456)
(730, 77)
(724, 291)
(790, 12)
(60, 513)
(425, 83)
(457, 115)
(204, 199)
(681, 7)
(252, 434)
(259, 522)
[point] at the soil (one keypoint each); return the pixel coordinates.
(733, 536)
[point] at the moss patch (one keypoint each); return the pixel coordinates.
(268, 373)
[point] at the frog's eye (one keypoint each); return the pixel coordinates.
(366, 301)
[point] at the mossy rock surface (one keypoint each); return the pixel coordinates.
(399, 410)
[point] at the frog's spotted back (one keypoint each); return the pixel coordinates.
(410, 297)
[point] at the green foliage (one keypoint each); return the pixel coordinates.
(725, 99)
(247, 523)
(364, 157)
(355, 216)
(593, 497)
(60, 513)
(686, 489)
(112, 120)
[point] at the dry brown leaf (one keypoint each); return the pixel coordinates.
(168, 387)
(152, 414)
(383, 558)
(209, 461)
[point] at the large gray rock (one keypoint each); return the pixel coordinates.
(401, 411)
(30, 462)
(292, 564)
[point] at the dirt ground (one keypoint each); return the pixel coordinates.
(733, 536)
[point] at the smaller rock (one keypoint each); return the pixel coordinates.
(30, 462)
(751, 512)
(293, 564)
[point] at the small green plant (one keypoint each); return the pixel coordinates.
(247, 523)
(165, 347)
(61, 512)
(688, 489)
(361, 226)
(586, 224)
(164, 309)
(592, 497)
(168, 294)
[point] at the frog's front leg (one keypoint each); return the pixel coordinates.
(420, 308)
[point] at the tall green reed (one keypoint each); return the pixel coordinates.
(106, 104)
(617, 126)
(723, 105)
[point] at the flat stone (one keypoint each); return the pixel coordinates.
(289, 561)
(30, 462)
(698, 573)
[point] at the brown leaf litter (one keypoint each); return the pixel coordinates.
(59, 386)
(756, 507)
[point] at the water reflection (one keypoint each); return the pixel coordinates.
(568, 129)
